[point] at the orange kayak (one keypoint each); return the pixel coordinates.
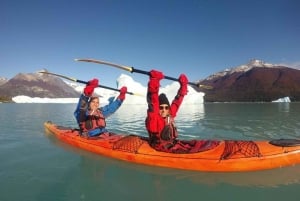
(224, 156)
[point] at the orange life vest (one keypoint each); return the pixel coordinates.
(94, 120)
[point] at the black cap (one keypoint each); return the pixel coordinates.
(163, 99)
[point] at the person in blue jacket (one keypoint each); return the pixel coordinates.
(90, 117)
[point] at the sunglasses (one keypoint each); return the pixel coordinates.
(163, 107)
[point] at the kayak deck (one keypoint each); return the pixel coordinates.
(225, 156)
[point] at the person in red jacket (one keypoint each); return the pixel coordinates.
(90, 117)
(160, 115)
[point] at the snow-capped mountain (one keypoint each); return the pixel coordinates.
(37, 85)
(242, 68)
(3, 80)
(256, 81)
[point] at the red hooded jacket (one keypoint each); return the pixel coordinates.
(155, 124)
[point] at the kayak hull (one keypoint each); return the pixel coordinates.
(227, 156)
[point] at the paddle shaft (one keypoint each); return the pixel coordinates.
(83, 82)
(165, 77)
(104, 87)
(133, 70)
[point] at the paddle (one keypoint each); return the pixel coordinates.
(85, 82)
(133, 70)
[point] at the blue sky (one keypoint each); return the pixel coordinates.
(195, 37)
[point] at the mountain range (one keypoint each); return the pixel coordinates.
(255, 81)
(36, 85)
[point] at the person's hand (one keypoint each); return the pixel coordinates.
(93, 82)
(183, 80)
(90, 86)
(156, 74)
(123, 92)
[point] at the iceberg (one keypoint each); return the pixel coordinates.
(27, 99)
(193, 97)
(282, 100)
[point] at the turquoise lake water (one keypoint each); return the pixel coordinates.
(35, 166)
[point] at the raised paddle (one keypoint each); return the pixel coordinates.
(134, 70)
(85, 82)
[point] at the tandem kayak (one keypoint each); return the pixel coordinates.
(224, 156)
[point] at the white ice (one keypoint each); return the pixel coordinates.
(282, 100)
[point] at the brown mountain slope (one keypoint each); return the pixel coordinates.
(255, 85)
(37, 85)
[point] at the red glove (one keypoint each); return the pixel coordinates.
(156, 74)
(183, 84)
(183, 79)
(90, 86)
(123, 92)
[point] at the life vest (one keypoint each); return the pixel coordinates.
(167, 135)
(94, 120)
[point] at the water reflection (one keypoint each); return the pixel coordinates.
(283, 107)
(251, 120)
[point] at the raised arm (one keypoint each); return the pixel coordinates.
(114, 105)
(182, 91)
